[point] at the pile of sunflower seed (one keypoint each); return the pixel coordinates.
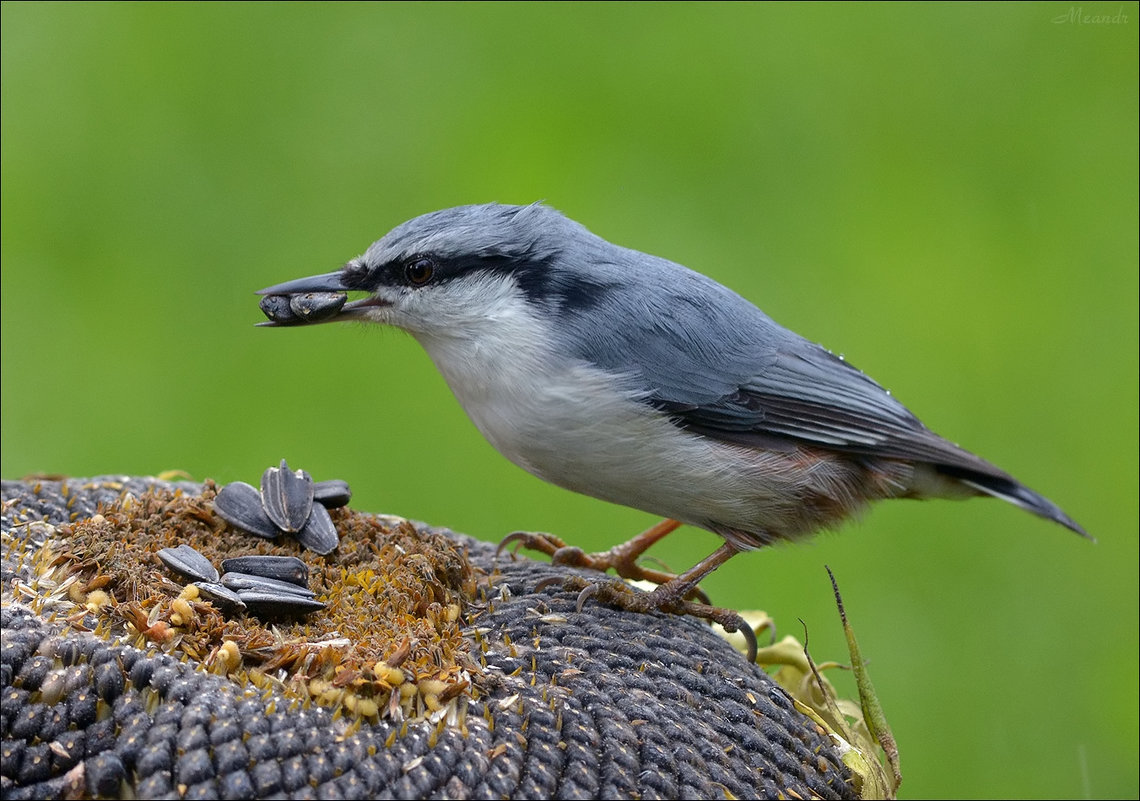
(285, 505)
(264, 585)
(289, 503)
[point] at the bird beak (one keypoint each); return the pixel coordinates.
(329, 282)
(316, 299)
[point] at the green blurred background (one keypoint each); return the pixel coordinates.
(947, 194)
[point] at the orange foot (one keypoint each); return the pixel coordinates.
(670, 596)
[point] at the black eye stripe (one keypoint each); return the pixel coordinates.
(536, 277)
(357, 275)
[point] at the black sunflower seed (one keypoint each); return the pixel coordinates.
(319, 534)
(282, 568)
(246, 581)
(239, 504)
(217, 592)
(187, 562)
(287, 496)
(332, 493)
(277, 309)
(312, 307)
(272, 603)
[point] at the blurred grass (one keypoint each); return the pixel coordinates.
(947, 194)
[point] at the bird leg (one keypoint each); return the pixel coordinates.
(622, 559)
(677, 589)
(670, 596)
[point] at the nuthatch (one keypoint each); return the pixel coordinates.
(633, 379)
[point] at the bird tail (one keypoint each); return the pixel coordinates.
(1018, 494)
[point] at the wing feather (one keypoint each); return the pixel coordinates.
(722, 368)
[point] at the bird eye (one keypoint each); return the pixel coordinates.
(419, 271)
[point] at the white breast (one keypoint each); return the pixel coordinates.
(579, 427)
(585, 429)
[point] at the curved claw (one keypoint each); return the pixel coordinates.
(729, 620)
(515, 536)
(587, 592)
(549, 581)
(748, 634)
(544, 543)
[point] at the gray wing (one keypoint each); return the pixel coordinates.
(804, 393)
(722, 368)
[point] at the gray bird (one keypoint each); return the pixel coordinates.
(633, 379)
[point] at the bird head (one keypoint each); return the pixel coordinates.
(452, 271)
